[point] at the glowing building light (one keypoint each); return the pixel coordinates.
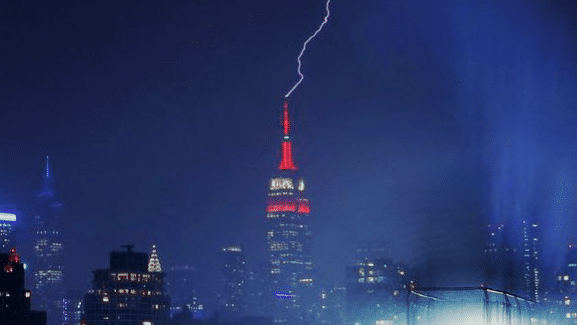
(7, 217)
(154, 263)
(282, 207)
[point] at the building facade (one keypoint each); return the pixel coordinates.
(127, 293)
(232, 295)
(289, 237)
(47, 251)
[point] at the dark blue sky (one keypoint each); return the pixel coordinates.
(414, 118)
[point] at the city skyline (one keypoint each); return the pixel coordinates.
(162, 126)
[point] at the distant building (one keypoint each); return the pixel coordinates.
(501, 255)
(7, 223)
(565, 290)
(232, 295)
(531, 259)
(258, 296)
(376, 290)
(329, 307)
(181, 287)
(127, 293)
(14, 299)
(47, 251)
(73, 308)
(289, 238)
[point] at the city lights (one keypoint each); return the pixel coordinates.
(7, 216)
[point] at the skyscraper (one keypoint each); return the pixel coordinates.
(233, 291)
(47, 250)
(127, 293)
(289, 236)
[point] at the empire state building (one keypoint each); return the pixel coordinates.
(289, 237)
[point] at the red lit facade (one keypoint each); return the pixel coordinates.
(289, 237)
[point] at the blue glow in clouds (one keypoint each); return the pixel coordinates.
(305, 46)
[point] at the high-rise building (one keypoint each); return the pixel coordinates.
(7, 223)
(232, 295)
(14, 299)
(530, 245)
(564, 293)
(47, 251)
(73, 308)
(127, 293)
(289, 237)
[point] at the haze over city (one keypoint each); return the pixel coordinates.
(417, 125)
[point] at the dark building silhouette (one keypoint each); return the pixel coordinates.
(47, 251)
(289, 238)
(14, 299)
(127, 293)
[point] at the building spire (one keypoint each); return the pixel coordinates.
(47, 180)
(154, 263)
(286, 150)
(47, 168)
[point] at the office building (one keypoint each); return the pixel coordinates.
(127, 293)
(289, 237)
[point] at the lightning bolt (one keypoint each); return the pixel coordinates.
(305, 46)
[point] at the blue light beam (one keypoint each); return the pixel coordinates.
(305, 46)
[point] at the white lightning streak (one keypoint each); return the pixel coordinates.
(305, 46)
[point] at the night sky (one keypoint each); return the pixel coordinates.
(416, 124)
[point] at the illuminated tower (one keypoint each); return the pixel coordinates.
(47, 250)
(289, 237)
(154, 263)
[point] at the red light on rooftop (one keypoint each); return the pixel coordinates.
(14, 258)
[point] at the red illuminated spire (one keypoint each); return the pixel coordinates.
(286, 152)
